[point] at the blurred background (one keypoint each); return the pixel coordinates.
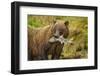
(78, 34)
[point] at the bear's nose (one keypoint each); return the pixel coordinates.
(61, 33)
(56, 36)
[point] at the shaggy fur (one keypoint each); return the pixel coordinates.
(39, 46)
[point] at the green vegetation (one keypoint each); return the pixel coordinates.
(78, 27)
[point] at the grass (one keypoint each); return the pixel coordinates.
(78, 27)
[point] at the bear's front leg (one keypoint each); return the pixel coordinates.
(43, 55)
(58, 50)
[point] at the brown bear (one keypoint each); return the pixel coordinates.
(47, 40)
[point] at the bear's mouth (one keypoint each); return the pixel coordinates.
(60, 39)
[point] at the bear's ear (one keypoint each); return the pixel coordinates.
(66, 23)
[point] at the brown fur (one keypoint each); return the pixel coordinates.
(38, 45)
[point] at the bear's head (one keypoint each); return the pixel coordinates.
(60, 31)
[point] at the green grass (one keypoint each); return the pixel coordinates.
(78, 27)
